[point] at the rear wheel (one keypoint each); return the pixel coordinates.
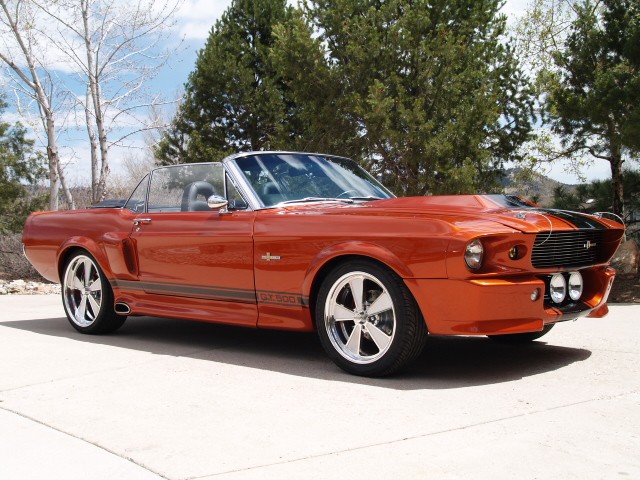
(87, 296)
(367, 320)
(517, 338)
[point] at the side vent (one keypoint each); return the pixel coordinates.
(129, 254)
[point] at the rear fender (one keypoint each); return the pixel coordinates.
(83, 243)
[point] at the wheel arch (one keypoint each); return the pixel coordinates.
(330, 258)
(81, 244)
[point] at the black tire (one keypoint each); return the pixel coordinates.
(377, 335)
(87, 296)
(520, 338)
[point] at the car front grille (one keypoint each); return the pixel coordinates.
(572, 249)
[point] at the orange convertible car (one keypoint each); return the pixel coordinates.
(301, 241)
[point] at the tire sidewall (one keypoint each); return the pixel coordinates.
(404, 309)
(106, 310)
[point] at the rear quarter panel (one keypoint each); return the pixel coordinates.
(49, 236)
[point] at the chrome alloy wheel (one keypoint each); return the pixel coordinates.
(360, 319)
(82, 291)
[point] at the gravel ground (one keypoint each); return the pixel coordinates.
(21, 287)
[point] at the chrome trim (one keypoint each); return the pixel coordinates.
(122, 308)
(240, 182)
(141, 221)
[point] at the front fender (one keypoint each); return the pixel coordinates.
(348, 249)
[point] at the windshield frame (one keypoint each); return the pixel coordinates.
(233, 162)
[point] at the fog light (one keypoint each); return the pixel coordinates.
(535, 294)
(513, 253)
(557, 288)
(575, 285)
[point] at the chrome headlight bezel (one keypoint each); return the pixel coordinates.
(473, 254)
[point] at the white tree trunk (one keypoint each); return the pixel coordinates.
(31, 80)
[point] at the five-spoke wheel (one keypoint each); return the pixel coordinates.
(367, 319)
(87, 296)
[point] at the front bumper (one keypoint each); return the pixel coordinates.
(493, 306)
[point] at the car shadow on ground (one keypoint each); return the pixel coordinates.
(446, 363)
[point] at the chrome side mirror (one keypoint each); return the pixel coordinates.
(216, 202)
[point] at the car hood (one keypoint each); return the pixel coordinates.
(504, 209)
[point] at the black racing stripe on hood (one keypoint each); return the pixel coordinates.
(578, 220)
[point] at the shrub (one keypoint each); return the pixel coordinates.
(13, 264)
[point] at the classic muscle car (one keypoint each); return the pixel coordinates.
(299, 241)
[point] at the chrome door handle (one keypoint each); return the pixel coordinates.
(141, 221)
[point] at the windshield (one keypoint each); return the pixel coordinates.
(294, 177)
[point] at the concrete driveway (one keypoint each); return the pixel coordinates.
(184, 400)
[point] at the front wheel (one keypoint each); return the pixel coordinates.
(519, 338)
(87, 296)
(367, 320)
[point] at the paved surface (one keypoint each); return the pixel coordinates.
(183, 400)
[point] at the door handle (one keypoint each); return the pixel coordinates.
(141, 221)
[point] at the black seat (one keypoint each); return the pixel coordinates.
(270, 194)
(269, 188)
(190, 201)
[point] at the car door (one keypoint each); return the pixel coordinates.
(185, 249)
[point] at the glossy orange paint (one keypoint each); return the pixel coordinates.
(263, 268)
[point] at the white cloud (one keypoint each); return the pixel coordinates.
(196, 17)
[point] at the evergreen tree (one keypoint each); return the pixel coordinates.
(594, 100)
(427, 94)
(318, 115)
(597, 196)
(233, 100)
(433, 90)
(19, 167)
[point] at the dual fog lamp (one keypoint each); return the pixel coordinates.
(559, 287)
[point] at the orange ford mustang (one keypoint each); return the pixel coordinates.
(299, 241)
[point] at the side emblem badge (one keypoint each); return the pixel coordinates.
(268, 257)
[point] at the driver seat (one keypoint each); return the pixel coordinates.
(190, 201)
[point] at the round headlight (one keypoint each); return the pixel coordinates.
(557, 288)
(575, 285)
(473, 254)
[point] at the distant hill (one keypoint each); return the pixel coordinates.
(533, 186)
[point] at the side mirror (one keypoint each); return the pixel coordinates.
(215, 202)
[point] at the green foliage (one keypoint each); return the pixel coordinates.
(434, 91)
(233, 100)
(594, 99)
(597, 196)
(427, 94)
(315, 119)
(19, 167)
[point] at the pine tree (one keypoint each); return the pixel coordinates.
(594, 100)
(233, 100)
(426, 94)
(433, 89)
(19, 167)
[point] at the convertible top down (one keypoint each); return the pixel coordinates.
(301, 241)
